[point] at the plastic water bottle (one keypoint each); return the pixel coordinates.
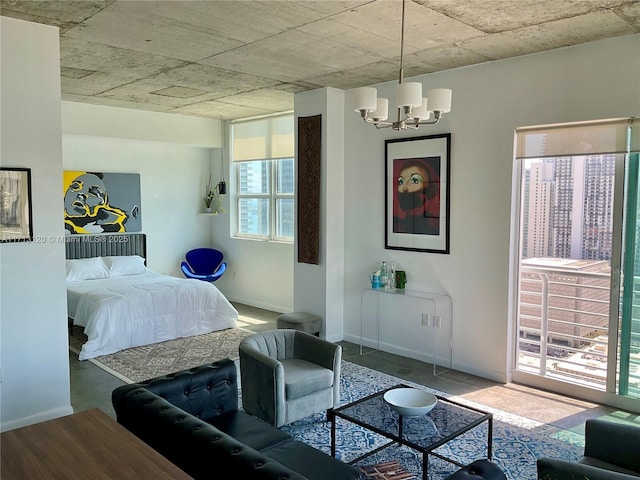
(391, 277)
(383, 275)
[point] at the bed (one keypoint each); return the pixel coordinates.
(121, 303)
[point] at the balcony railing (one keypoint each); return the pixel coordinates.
(563, 326)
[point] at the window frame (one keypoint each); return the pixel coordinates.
(272, 196)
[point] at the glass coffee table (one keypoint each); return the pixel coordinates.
(425, 433)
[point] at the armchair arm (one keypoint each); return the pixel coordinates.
(552, 469)
(613, 443)
(317, 350)
(321, 352)
(262, 382)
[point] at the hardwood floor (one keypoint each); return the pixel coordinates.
(91, 386)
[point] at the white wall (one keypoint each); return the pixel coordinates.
(172, 179)
(592, 81)
(33, 312)
(319, 288)
(259, 273)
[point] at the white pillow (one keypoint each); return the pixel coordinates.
(125, 265)
(86, 269)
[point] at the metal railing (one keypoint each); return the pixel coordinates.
(563, 326)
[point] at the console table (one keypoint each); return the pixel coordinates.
(87, 444)
(412, 323)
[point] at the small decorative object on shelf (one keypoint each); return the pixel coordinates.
(375, 279)
(212, 197)
(209, 195)
(391, 277)
(383, 275)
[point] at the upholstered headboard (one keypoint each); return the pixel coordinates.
(105, 245)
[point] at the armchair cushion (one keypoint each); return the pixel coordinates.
(613, 444)
(554, 469)
(303, 378)
(611, 452)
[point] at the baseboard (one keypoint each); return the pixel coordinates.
(419, 355)
(39, 417)
(265, 306)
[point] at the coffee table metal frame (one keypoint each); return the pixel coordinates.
(398, 438)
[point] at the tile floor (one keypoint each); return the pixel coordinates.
(91, 386)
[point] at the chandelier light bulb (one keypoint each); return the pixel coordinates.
(409, 94)
(365, 98)
(382, 110)
(421, 112)
(439, 99)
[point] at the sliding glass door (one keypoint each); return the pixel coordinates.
(629, 338)
(577, 288)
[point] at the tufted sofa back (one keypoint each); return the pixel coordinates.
(205, 392)
(170, 414)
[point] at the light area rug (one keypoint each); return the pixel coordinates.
(149, 361)
(517, 441)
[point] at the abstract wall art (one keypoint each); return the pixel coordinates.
(97, 202)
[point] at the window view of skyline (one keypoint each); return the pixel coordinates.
(565, 271)
(260, 198)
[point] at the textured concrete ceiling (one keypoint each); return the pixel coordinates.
(240, 58)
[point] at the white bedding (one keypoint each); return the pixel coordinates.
(132, 310)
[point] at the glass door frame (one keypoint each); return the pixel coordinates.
(609, 396)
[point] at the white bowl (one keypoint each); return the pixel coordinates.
(410, 402)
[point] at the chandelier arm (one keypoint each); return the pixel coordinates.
(379, 124)
(437, 116)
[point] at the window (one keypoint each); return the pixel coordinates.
(264, 178)
(575, 320)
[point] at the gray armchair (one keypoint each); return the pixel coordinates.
(611, 452)
(286, 375)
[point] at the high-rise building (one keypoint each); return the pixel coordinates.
(569, 202)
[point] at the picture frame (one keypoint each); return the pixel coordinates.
(15, 205)
(417, 193)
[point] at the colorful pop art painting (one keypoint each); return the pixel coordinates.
(96, 202)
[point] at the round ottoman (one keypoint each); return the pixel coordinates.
(305, 322)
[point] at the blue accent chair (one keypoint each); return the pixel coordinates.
(204, 264)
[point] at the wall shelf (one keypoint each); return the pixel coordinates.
(412, 323)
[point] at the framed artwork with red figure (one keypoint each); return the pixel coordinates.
(417, 193)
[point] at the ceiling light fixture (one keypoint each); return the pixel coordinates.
(413, 109)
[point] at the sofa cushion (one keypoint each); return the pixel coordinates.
(594, 462)
(250, 430)
(311, 462)
(303, 378)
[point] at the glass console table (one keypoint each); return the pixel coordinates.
(411, 323)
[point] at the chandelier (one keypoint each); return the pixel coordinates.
(413, 109)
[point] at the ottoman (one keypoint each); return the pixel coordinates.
(305, 322)
(480, 469)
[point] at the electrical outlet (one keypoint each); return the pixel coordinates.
(437, 321)
(425, 319)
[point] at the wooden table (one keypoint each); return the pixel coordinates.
(86, 445)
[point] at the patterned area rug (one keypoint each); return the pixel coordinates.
(141, 363)
(517, 441)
